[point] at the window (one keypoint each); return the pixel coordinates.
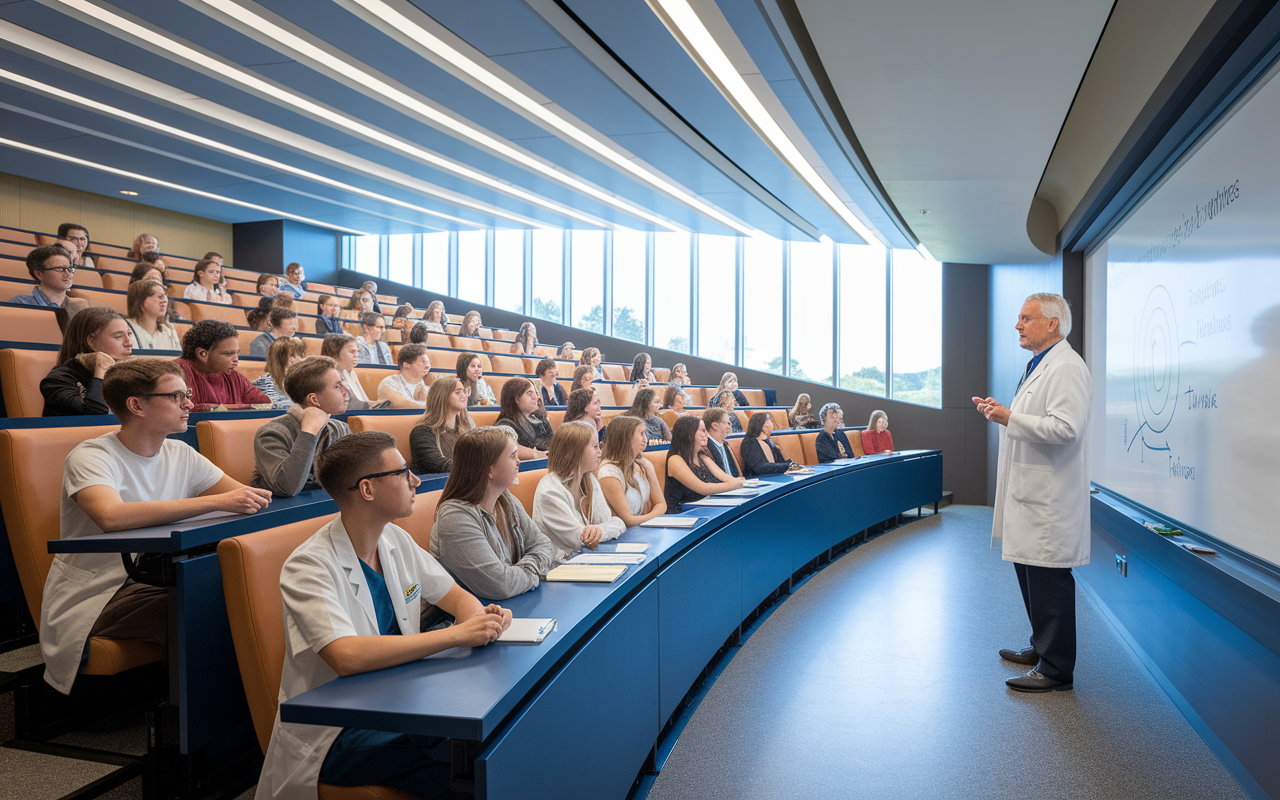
(435, 262)
(587, 290)
(400, 258)
(548, 274)
(508, 270)
(862, 318)
(471, 266)
(811, 310)
(917, 329)
(628, 284)
(367, 254)
(762, 304)
(671, 287)
(717, 297)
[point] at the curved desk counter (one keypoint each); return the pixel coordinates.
(578, 715)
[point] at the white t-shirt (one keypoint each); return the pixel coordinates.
(195, 291)
(165, 338)
(400, 385)
(326, 598)
(354, 387)
(80, 584)
(635, 497)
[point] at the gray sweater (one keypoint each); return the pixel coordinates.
(284, 455)
(465, 539)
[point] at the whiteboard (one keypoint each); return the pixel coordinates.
(1192, 338)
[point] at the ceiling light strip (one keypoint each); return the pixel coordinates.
(80, 162)
(595, 143)
(65, 56)
(684, 23)
(158, 40)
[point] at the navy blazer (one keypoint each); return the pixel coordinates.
(827, 449)
(732, 467)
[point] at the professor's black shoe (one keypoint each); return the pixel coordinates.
(1034, 681)
(1026, 655)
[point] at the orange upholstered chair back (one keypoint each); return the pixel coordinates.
(31, 324)
(855, 441)
(419, 523)
(659, 460)
(523, 491)
(508, 364)
(398, 425)
(791, 447)
(735, 447)
(484, 418)
(251, 567)
(615, 372)
(755, 397)
(809, 446)
(228, 443)
(20, 374)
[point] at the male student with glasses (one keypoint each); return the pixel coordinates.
(131, 478)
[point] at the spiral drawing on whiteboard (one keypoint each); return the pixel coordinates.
(1155, 378)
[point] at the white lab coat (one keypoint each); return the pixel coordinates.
(325, 598)
(1042, 484)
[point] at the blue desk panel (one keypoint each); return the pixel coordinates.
(603, 709)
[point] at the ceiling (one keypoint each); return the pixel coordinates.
(349, 114)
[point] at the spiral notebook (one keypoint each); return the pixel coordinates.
(587, 573)
(527, 631)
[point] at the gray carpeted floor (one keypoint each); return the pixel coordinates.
(879, 678)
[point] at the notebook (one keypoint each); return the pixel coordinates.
(716, 500)
(587, 573)
(669, 521)
(608, 558)
(528, 631)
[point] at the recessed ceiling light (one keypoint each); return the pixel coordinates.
(126, 191)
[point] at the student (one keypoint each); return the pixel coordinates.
(552, 393)
(344, 350)
(148, 320)
(405, 389)
(691, 472)
(831, 442)
(724, 400)
(680, 375)
(282, 355)
(522, 412)
(371, 288)
(76, 238)
(401, 319)
(801, 414)
(568, 505)
(482, 534)
(646, 406)
(471, 372)
(628, 479)
(212, 256)
(760, 456)
(526, 342)
(294, 280)
(210, 355)
(143, 244)
(566, 351)
(583, 378)
(359, 304)
(51, 269)
(96, 338)
(286, 448)
(281, 300)
(470, 325)
(717, 423)
(432, 438)
(356, 596)
(131, 478)
(876, 438)
(284, 324)
(268, 285)
(206, 284)
(259, 319)
(584, 404)
(729, 383)
(674, 399)
(372, 349)
(434, 317)
(327, 321)
(642, 369)
(143, 271)
(591, 357)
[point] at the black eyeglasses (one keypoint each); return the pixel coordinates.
(177, 397)
(402, 471)
(65, 270)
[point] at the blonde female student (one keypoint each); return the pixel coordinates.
(628, 479)
(568, 505)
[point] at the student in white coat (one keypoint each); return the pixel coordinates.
(568, 505)
(356, 596)
(130, 478)
(1042, 489)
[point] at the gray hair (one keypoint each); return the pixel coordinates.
(1054, 306)
(827, 409)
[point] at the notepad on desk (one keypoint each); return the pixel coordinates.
(608, 558)
(527, 631)
(631, 547)
(587, 573)
(745, 492)
(668, 521)
(716, 501)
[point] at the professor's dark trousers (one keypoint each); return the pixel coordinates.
(1049, 594)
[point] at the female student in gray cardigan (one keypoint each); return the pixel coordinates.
(482, 535)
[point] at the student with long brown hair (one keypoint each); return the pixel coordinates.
(470, 371)
(445, 419)
(96, 338)
(628, 479)
(692, 474)
(584, 404)
(645, 407)
(470, 325)
(591, 358)
(583, 378)
(522, 411)
(148, 319)
(568, 505)
(482, 534)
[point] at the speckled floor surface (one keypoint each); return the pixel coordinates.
(879, 678)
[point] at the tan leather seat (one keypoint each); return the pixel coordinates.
(792, 448)
(555, 417)
(228, 443)
(614, 372)
(30, 463)
(419, 523)
(623, 393)
(735, 447)
(496, 382)
(398, 425)
(371, 377)
(32, 324)
(659, 460)
(475, 345)
(855, 441)
(755, 397)
(233, 314)
(115, 281)
(524, 490)
(483, 418)
(443, 359)
(513, 365)
(742, 418)
(20, 374)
